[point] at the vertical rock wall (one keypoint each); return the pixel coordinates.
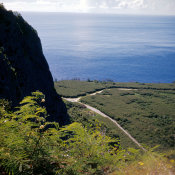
(23, 67)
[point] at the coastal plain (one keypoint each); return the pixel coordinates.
(145, 110)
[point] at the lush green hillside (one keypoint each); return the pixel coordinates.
(78, 113)
(149, 115)
(75, 88)
(30, 145)
(146, 110)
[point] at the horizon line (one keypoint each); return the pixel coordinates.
(96, 13)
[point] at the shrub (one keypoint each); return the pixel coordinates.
(28, 145)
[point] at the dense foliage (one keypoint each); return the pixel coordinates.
(30, 145)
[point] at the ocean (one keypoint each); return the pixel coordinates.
(122, 48)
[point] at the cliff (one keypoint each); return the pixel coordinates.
(23, 67)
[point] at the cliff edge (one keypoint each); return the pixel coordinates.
(23, 67)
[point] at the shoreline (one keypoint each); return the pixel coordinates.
(76, 88)
(110, 80)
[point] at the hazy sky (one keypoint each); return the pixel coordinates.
(164, 7)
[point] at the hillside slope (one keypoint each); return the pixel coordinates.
(23, 67)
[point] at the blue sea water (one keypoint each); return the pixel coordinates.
(124, 48)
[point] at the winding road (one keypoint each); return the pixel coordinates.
(106, 116)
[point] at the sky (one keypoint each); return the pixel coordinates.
(150, 7)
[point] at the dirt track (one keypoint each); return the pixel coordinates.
(106, 116)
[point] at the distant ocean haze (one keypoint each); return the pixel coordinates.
(118, 47)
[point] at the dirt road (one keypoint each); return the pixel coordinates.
(106, 116)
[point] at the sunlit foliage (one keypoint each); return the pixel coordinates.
(30, 145)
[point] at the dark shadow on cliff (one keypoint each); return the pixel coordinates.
(23, 67)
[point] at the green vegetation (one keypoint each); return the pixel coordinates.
(91, 144)
(155, 86)
(148, 115)
(79, 113)
(75, 88)
(146, 110)
(151, 164)
(1, 6)
(30, 145)
(6, 60)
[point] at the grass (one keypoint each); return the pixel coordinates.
(75, 88)
(149, 164)
(28, 146)
(156, 86)
(148, 115)
(146, 110)
(78, 113)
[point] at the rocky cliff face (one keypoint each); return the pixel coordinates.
(23, 67)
